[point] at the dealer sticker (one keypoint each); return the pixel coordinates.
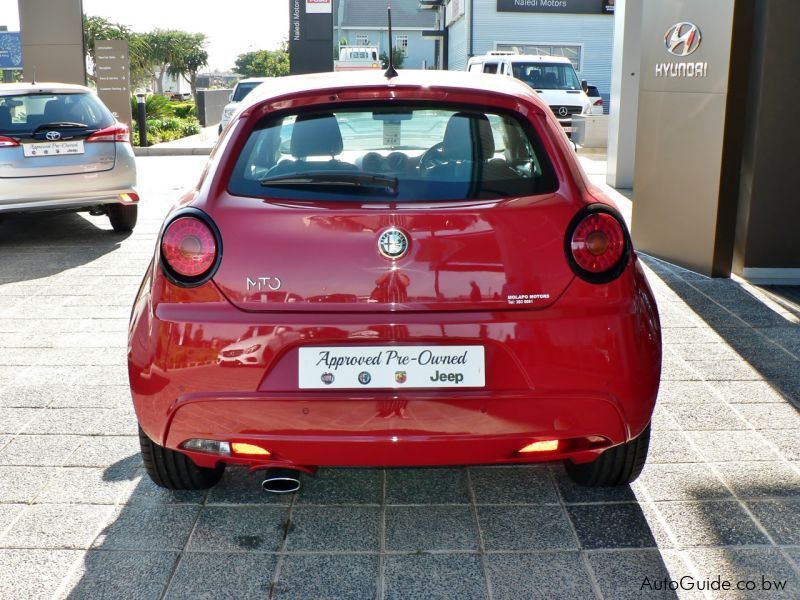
(392, 367)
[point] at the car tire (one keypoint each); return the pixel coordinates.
(619, 465)
(173, 470)
(123, 216)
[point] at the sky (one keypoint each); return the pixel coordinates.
(231, 26)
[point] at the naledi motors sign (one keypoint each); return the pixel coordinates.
(586, 7)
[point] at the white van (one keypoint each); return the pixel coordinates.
(243, 87)
(553, 77)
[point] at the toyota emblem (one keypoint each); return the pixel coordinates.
(52, 136)
(563, 111)
(393, 243)
(682, 39)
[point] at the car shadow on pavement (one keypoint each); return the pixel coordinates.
(737, 340)
(521, 531)
(38, 245)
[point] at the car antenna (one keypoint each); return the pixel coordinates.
(391, 71)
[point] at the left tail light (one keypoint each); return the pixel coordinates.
(118, 132)
(7, 142)
(190, 248)
(597, 244)
(598, 102)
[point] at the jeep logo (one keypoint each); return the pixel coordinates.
(451, 377)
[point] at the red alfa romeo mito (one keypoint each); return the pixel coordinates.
(393, 271)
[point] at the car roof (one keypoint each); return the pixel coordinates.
(518, 58)
(454, 80)
(7, 89)
(254, 80)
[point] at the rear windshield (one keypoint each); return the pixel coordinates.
(547, 76)
(242, 89)
(22, 114)
(407, 153)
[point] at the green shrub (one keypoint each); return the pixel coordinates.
(157, 107)
(185, 110)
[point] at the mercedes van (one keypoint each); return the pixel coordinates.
(553, 77)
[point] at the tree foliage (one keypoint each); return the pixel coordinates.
(397, 54)
(264, 63)
(188, 57)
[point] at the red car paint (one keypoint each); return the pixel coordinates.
(580, 362)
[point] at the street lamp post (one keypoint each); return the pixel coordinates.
(142, 117)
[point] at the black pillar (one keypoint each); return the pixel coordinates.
(310, 36)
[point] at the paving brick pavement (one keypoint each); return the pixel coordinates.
(720, 495)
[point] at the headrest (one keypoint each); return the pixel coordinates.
(316, 135)
(54, 111)
(468, 136)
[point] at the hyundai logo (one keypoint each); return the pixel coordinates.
(52, 136)
(682, 39)
(393, 243)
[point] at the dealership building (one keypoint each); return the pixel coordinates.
(581, 30)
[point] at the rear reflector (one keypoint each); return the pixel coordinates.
(7, 142)
(209, 446)
(543, 446)
(129, 198)
(118, 132)
(249, 449)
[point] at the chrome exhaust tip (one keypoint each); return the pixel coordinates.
(281, 481)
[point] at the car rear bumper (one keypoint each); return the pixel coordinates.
(407, 429)
(584, 371)
(69, 202)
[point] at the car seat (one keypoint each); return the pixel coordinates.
(55, 111)
(5, 118)
(314, 135)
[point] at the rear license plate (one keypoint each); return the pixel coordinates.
(392, 367)
(53, 148)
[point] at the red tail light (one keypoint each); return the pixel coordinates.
(190, 249)
(597, 246)
(598, 102)
(7, 142)
(118, 132)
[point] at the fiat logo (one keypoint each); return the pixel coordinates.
(393, 243)
(52, 136)
(682, 39)
(563, 111)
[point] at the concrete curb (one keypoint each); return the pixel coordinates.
(156, 151)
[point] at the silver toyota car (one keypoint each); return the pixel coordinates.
(62, 149)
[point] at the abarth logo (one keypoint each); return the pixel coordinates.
(393, 243)
(52, 136)
(400, 376)
(682, 39)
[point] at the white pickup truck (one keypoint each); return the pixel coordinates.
(357, 58)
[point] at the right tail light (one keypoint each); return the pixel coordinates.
(598, 244)
(190, 248)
